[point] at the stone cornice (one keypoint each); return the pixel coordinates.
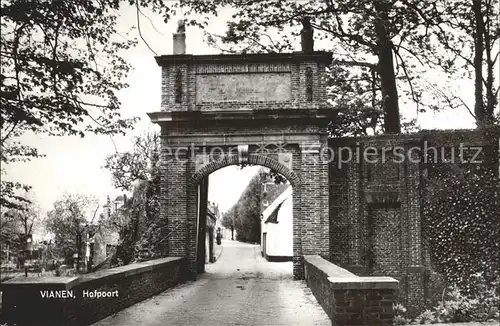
(319, 56)
(261, 114)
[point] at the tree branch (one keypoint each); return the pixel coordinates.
(139, 27)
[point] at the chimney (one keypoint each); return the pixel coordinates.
(180, 38)
(306, 36)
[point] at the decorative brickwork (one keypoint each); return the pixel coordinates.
(309, 84)
(376, 208)
(225, 120)
(201, 74)
(381, 213)
(385, 239)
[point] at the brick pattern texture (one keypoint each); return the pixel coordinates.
(189, 73)
(197, 139)
(370, 306)
(375, 209)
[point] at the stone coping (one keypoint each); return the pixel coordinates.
(103, 275)
(321, 56)
(440, 136)
(322, 111)
(342, 279)
(59, 282)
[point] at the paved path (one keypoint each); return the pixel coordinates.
(241, 288)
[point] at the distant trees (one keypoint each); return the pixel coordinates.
(17, 226)
(69, 221)
(245, 213)
(61, 71)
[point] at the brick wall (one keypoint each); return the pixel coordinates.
(375, 213)
(348, 299)
(22, 303)
(376, 209)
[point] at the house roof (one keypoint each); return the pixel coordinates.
(273, 217)
(270, 214)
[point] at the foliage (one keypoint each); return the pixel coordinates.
(400, 315)
(245, 213)
(16, 222)
(68, 221)
(355, 92)
(227, 219)
(481, 304)
(140, 235)
(141, 162)
(461, 222)
(470, 51)
(366, 34)
(61, 70)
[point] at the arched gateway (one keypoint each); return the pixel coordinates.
(265, 109)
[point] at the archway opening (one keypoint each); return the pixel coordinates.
(245, 218)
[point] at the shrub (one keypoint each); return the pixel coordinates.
(400, 315)
(479, 302)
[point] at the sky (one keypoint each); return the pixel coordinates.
(74, 164)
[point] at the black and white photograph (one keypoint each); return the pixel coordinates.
(250, 162)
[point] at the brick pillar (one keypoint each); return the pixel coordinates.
(298, 267)
(192, 221)
(314, 201)
(354, 256)
(174, 194)
(415, 269)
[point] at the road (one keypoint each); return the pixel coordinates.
(241, 288)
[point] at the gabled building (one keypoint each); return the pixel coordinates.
(277, 228)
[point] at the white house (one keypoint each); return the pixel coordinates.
(277, 228)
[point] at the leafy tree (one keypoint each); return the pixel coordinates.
(17, 224)
(392, 34)
(138, 170)
(61, 70)
(467, 34)
(69, 221)
(142, 162)
(245, 214)
(228, 221)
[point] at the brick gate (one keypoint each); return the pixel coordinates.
(264, 109)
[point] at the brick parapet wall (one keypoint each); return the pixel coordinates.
(349, 299)
(22, 303)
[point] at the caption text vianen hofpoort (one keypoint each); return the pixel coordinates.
(70, 294)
